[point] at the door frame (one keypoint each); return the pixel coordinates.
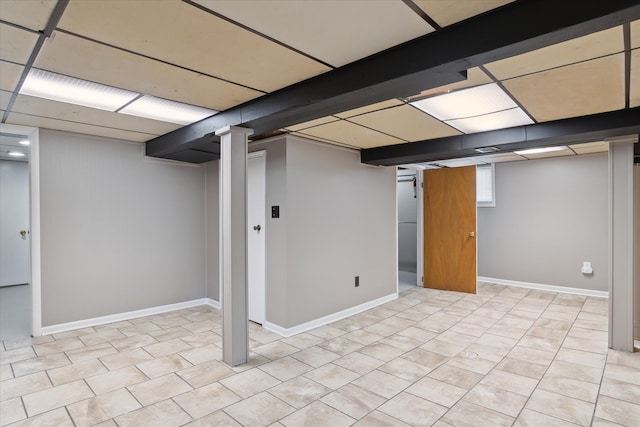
(35, 275)
(255, 155)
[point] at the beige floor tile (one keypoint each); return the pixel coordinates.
(205, 373)
(264, 336)
(206, 400)
(125, 358)
(529, 418)
(90, 352)
(485, 352)
(426, 358)
(381, 351)
(277, 349)
(510, 382)
(171, 333)
(11, 411)
(581, 357)
(622, 373)
(599, 422)
(381, 383)
(27, 384)
(541, 357)
(401, 342)
(620, 390)
(58, 418)
(469, 329)
(285, 368)
(6, 372)
(139, 329)
(164, 365)
(217, 419)
(332, 376)
(521, 367)
(623, 358)
(557, 405)
(443, 348)
(472, 363)
(164, 348)
(418, 334)
(101, 408)
(413, 410)
(39, 364)
(456, 376)
(132, 342)
(76, 371)
(159, 389)
(618, 411)
(363, 337)
(382, 329)
(250, 382)
(304, 340)
(571, 370)
(162, 414)
(16, 343)
(359, 363)
(326, 332)
(259, 410)
(546, 344)
(202, 339)
(465, 414)
(379, 419)
(299, 391)
(439, 392)
(58, 346)
(594, 346)
(340, 346)
(315, 356)
(317, 414)
(405, 369)
(73, 333)
(353, 401)
(570, 387)
(496, 399)
(56, 397)
(515, 322)
(202, 354)
(115, 380)
(101, 337)
(400, 322)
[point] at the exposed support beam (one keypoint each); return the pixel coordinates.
(429, 61)
(576, 130)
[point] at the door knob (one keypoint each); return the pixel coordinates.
(24, 233)
(257, 227)
(472, 234)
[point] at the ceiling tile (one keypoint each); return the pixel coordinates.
(33, 14)
(16, 45)
(502, 157)
(634, 95)
(73, 56)
(369, 108)
(4, 99)
(586, 88)
(635, 34)
(317, 138)
(63, 125)
(466, 161)
(581, 49)
(9, 75)
(405, 122)
(352, 134)
(180, 33)
(560, 153)
(475, 77)
(312, 123)
(335, 31)
(447, 12)
(76, 113)
(589, 145)
(591, 150)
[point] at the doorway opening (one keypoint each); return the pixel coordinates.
(407, 205)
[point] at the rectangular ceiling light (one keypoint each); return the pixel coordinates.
(492, 121)
(164, 110)
(58, 87)
(540, 150)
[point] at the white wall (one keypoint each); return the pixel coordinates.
(119, 233)
(212, 182)
(550, 216)
(636, 251)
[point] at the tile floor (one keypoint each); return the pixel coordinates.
(506, 356)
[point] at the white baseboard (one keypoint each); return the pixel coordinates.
(63, 327)
(312, 324)
(541, 287)
(213, 303)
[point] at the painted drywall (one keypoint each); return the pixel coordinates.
(119, 232)
(636, 250)
(341, 223)
(550, 216)
(407, 222)
(212, 182)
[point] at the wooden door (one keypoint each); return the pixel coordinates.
(450, 229)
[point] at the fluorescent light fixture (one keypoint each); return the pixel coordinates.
(486, 150)
(154, 108)
(16, 154)
(57, 87)
(540, 150)
(492, 121)
(470, 102)
(25, 142)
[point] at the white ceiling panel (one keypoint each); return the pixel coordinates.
(33, 14)
(635, 34)
(312, 123)
(76, 113)
(447, 12)
(4, 99)
(63, 125)
(581, 49)
(475, 77)
(559, 153)
(586, 88)
(70, 55)
(335, 31)
(405, 122)
(634, 94)
(369, 108)
(9, 75)
(16, 45)
(180, 33)
(352, 134)
(502, 157)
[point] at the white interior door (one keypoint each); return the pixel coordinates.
(14, 222)
(256, 172)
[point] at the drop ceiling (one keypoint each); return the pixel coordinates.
(219, 54)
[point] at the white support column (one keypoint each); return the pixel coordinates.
(233, 247)
(621, 223)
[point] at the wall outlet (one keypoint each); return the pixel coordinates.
(357, 281)
(586, 268)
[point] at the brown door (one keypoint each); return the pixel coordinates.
(450, 229)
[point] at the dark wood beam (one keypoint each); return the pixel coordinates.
(568, 131)
(428, 61)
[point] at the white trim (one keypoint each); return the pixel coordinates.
(62, 327)
(541, 287)
(325, 320)
(213, 303)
